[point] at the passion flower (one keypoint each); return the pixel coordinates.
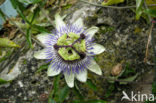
(70, 50)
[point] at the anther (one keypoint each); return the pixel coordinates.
(56, 46)
(82, 55)
(82, 36)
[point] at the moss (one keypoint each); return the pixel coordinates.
(30, 99)
(106, 61)
(100, 11)
(105, 29)
(91, 19)
(24, 61)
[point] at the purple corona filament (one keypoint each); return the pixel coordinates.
(58, 63)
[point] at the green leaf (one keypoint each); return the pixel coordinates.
(2, 81)
(5, 42)
(109, 90)
(138, 3)
(35, 1)
(19, 8)
(16, 4)
(30, 1)
(150, 12)
(56, 83)
(96, 101)
(51, 101)
(22, 15)
(77, 92)
(0, 52)
(36, 13)
(55, 88)
(129, 79)
(2, 15)
(154, 87)
(111, 2)
(91, 84)
(77, 101)
(28, 37)
(89, 101)
(64, 93)
(42, 67)
(139, 11)
(127, 71)
(39, 28)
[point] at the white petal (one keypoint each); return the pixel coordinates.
(91, 31)
(96, 49)
(52, 72)
(43, 37)
(82, 76)
(41, 54)
(59, 22)
(69, 79)
(78, 22)
(94, 67)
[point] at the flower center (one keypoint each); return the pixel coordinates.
(71, 46)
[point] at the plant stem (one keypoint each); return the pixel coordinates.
(113, 7)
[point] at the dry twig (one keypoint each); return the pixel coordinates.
(147, 46)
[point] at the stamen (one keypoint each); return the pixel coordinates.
(56, 46)
(82, 55)
(82, 36)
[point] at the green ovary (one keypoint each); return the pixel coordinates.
(68, 53)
